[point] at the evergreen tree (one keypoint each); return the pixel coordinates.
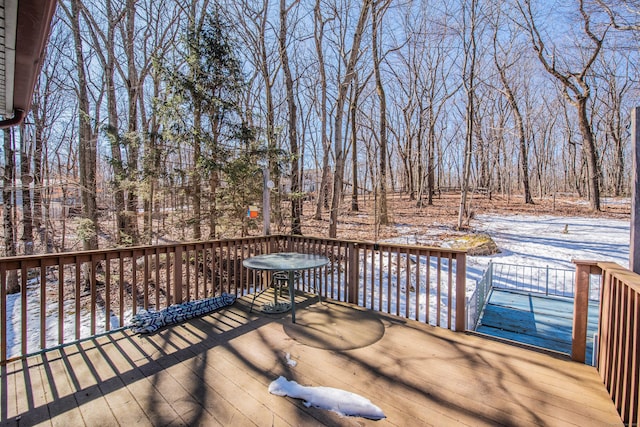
(203, 109)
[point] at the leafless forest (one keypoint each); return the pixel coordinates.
(164, 120)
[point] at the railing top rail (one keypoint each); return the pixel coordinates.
(382, 244)
(128, 249)
(624, 274)
(611, 267)
(48, 258)
(541, 267)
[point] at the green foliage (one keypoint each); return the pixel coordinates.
(206, 88)
(202, 108)
(243, 187)
(126, 239)
(298, 195)
(86, 229)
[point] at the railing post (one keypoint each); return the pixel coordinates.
(634, 246)
(177, 275)
(580, 312)
(546, 285)
(461, 290)
(354, 273)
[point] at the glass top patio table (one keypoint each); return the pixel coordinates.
(289, 262)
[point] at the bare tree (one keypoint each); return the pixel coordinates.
(132, 137)
(499, 58)
(343, 88)
(104, 45)
(160, 35)
(576, 86)
(253, 18)
(87, 150)
(613, 117)
(8, 206)
(356, 89)
(26, 178)
(54, 101)
(377, 13)
(470, 63)
(295, 191)
(322, 199)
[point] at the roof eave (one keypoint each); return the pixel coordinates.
(30, 27)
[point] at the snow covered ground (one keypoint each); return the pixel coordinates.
(540, 241)
(552, 241)
(537, 242)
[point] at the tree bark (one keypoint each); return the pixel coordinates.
(25, 178)
(353, 109)
(343, 87)
(132, 129)
(86, 141)
(322, 200)
(292, 125)
(8, 206)
(382, 214)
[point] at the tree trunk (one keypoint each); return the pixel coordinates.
(469, 83)
(322, 200)
(513, 103)
(196, 180)
(38, 181)
(382, 214)
(353, 108)
(590, 154)
(340, 101)
(113, 133)
(86, 142)
(150, 164)
(8, 181)
(270, 130)
(431, 165)
(132, 135)
(294, 195)
(25, 178)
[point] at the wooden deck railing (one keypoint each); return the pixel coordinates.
(70, 296)
(618, 358)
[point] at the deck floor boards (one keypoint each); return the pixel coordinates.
(216, 370)
(532, 319)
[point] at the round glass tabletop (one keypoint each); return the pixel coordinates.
(285, 261)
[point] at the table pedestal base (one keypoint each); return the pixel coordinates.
(274, 308)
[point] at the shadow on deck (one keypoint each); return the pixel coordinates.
(535, 319)
(215, 370)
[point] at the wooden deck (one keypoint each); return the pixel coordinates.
(535, 319)
(216, 370)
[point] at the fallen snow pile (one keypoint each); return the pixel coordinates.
(333, 399)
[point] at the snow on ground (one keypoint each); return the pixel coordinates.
(542, 241)
(531, 247)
